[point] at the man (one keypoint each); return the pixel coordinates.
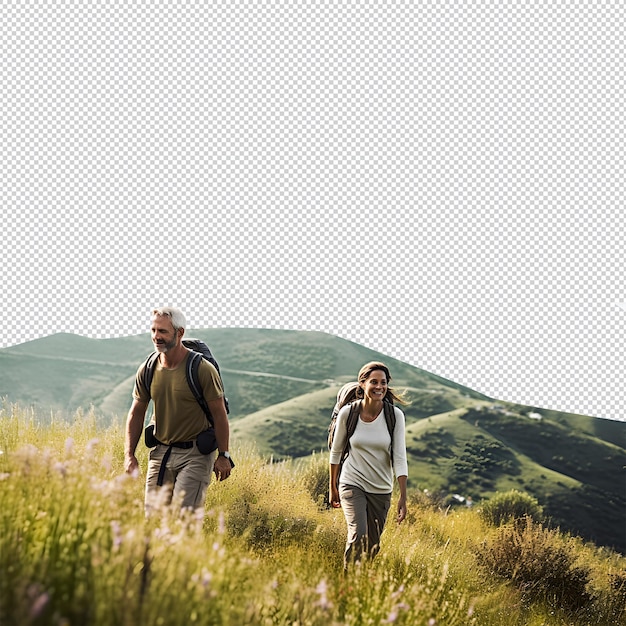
(177, 470)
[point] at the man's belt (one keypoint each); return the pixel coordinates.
(185, 445)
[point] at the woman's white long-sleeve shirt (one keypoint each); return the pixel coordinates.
(368, 466)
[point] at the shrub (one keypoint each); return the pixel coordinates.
(511, 506)
(618, 582)
(539, 562)
(315, 477)
(267, 526)
(269, 506)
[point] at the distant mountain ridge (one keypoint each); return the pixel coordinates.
(282, 385)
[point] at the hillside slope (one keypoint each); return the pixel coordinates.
(282, 386)
(260, 368)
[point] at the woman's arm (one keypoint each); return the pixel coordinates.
(400, 463)
(333, 489)
(402, 499)
(336, 452)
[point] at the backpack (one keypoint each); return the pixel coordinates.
(347, 395)
(199, 351)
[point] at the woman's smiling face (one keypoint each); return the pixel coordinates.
(375, 385)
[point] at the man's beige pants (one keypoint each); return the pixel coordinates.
(186, 479)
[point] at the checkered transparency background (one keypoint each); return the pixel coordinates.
(442, 182)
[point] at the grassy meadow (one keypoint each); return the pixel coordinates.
(75, 548)
(282, 386)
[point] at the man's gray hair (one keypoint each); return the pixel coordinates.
(176, 315)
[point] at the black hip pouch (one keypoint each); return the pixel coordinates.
(206, 441)
(148, 435)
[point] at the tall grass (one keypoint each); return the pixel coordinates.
(75, 548)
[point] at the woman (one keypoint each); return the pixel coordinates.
(362, 484)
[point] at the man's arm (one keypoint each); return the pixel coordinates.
(222, 465)
(134, 427)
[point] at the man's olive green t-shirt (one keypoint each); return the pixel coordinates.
(177, 415)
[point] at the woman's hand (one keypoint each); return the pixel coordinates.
(333, 498)
(402, 499)
(333, 489)
(401, 510)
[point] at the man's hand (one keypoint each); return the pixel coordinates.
(131, 465)
(222, 468)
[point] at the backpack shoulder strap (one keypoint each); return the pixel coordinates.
(390, 418)
(353, 417)
(147, 372)
(351, 422)
(193, 380)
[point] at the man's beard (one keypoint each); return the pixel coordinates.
(166, 346)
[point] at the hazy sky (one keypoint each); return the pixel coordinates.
(440, 181)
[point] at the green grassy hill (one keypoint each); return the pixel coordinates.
(282, 386)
